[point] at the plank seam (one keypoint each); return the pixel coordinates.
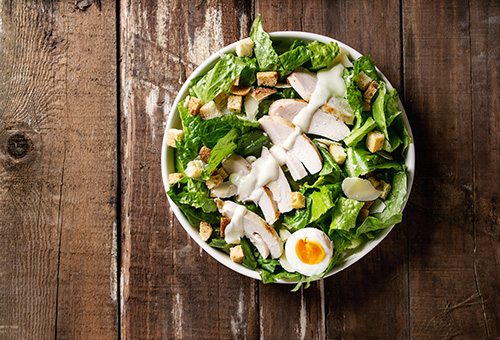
(474, 233)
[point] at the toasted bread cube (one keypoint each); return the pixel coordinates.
(205, 153)
(194, 106)
(368, 204)
(245, 48)
(267, 78)
(375, 141)
(369, 95)
(174, 135)
(385, 188)
(221, 98)
(236, 254)
(363, 214)
(375, 183)
(298, 200)
(338, 153)
(362, 80)
(205, 231)
(224, 222)
(236, 82)
(261, 93)
(216, 178)
(174, 178)
(234, 103)
(194, 168)
(209, 111)
(240, 90)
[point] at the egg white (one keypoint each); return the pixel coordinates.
(315, 235)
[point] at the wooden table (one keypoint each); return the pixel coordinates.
(89, 248)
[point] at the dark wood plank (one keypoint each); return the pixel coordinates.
(485, 63)
(171, 288)
(370, 298)
(57, 171)
(444, 296)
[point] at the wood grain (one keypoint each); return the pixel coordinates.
(445, 301)
(171, 289)
(57, 171)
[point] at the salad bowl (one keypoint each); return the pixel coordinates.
(350, 256)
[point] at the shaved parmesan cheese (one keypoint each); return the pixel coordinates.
(359, 189)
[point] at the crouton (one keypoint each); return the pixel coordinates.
(375, 141)
(205, 231)
(236, 82)
(298, 200)
(375, 183)
(338, 153)
(234, 103)
(369, 95)
(174, 178)
(205, 153)
(224, 222)
(209, 111)
(261, 93)
(267, 78)
(363, 214)
(216, 178)
(245, 48)
(368, 204)
(173, 135)
(221, 98)
(194, 106)
(236, 254)
(240, 90)
(362, 80)
(194, 168)
(385, 188)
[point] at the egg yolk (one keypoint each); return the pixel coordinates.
(309, 252)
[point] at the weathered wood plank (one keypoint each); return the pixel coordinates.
(443, 267)
(485, 63)
(171, 289)
(343, 306)
(57, 171)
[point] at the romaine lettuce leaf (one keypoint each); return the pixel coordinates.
(345, 214)
(224, 147)
(220, 77)
(378, 109)
(365, 63)
(360, 161)
(251, 143)
(295, 58)
(266, 55)
(358, 134)
(322, 54)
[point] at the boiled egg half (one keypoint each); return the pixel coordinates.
(308, 251)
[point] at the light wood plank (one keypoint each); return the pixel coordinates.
(58, 171)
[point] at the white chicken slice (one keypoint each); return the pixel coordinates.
(295, 166)
(254, 225)
(279, 129)
(322, 123)
(304, 82)
(224, 190)
(236, 164)
(280, 188)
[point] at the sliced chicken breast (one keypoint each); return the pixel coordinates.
(280, 188)
(304, 82)
(322, 123)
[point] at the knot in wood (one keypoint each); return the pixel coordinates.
(18, 145)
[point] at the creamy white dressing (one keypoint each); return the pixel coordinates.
(290, 140)
(330, 84)
(234, 230)
(278, 153)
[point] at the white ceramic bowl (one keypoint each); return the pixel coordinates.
(167, 157)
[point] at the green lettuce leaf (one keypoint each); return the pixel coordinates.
(365, 63)
(295, 58)
(266, 55)
(360, 161)
(358, 134)
(322, 54)
(378, 110)
(345, 214)
(224, 147)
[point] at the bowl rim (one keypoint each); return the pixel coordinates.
(173, 119)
